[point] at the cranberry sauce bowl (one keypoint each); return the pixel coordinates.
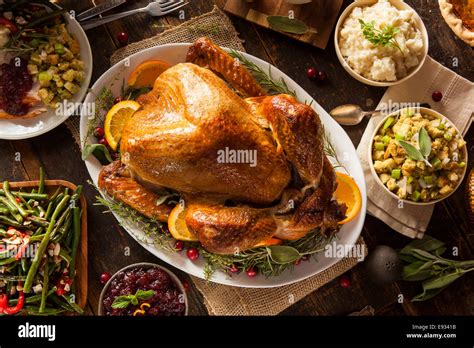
(143, 289)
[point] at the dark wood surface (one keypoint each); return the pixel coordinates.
(108, 242)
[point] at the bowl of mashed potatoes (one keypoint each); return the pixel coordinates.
(381, 42)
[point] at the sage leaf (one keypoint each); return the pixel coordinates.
(283, 254)
(425, 142)
(162, 199)
(417, 271)
(442, 281)
(428, 243)
(411, 151)
(99, 151)
(426, 295)
(287, 25)
(423, 255)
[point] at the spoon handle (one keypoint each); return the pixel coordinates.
(372, 113)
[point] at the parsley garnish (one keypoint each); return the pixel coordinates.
(384, 37)
(125, 300)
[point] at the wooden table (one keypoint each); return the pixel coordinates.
(109, 243)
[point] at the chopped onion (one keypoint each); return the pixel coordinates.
(445, 161)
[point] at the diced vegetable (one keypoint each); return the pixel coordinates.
(388, 122)
(396, 173)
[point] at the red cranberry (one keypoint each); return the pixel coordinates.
(437, 96)
(99, 132)
(344, 281)
(104, 142)
(179, 245)
(122, 38)
(251, 272)
(312, 73)
(193, 254)
(117, 100)
(104, 277)
(234, 269)
(322, 76)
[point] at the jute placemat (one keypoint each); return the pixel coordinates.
(222, 299)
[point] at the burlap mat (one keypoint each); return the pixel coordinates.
(222, 299)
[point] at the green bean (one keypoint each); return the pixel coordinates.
(38, 221)
(77, 194)
(8, 194)
(3, 232)
(12, 208)
(49, 210)
(10, 222)
(41, 183)
(65, 256)
(7, 261)
(45, 287)
(76, 214)
(27, 195)
(55, 194)
(60, 222)
(73, 304)
(31, 299)
(4, 211)
(37, 238)
(38, 231)
(24, 265)
(64, 305)
(44, 243)
(12, 265)
(35, 310)
(62, 231)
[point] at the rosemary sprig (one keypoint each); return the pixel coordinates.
(384, 37)
(153, 230)
(312, 243)
(269, 84)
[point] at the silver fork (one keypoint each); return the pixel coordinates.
(155, 9)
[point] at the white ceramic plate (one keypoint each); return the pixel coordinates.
(348, 235)
(14, 129)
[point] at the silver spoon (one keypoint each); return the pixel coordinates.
(351, 114)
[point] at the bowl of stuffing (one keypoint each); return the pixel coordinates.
(417, 155)
(381, 42)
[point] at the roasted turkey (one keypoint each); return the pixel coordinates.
(212, 104)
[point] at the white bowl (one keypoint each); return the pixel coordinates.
(374, 173)
(15, 129)
(399, 4)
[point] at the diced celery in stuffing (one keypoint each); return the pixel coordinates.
(53, 59)
(63, 66)
(69, 75)
(71, 87)
(43, 93)
(32, 69)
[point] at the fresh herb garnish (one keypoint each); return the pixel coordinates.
(424, 263)
(126, 300)
(421, 154)
(289, 25)
(263, 78)
(384, 37)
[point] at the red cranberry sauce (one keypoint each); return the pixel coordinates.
(166, 301)
(15, 83)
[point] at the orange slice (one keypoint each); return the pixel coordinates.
(348, 192)
(268, 242)
(146, 73)
(177, 225)
(115, 121)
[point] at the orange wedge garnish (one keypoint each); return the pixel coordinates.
(146, 73)
(268, 242)
(177, 225)
(348, 192)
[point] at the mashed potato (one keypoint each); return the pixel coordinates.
(376, 62)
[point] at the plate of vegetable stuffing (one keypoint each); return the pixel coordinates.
(182, 152)
(43, 250)
(45, 67)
